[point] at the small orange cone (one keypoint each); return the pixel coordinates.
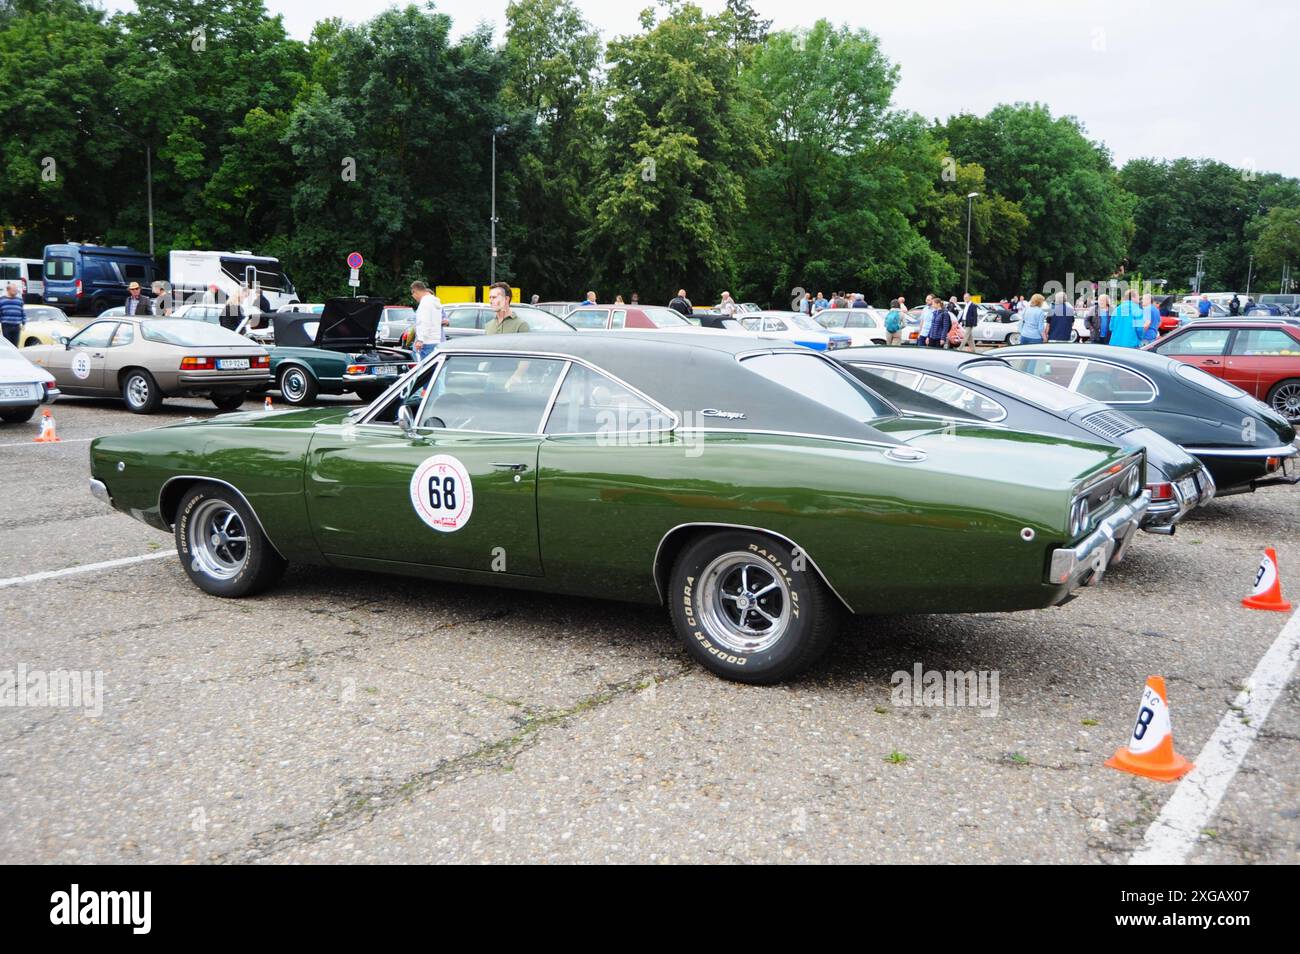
(267, 406)
(1150, 752)
(1267, 594)
(47, 434)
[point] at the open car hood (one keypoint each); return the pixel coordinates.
(346, 324)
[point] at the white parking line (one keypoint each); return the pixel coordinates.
(61, 440)
(1175, 832)
(85, 568)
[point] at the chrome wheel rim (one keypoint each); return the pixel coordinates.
(1013, 340)
(137, 390)
(1286, 400)
(218, 540)
(746, 603)
(293, 386)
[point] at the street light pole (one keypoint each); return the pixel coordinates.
(1250, 270)
(148, 176)
(493, 220)
(970, 202)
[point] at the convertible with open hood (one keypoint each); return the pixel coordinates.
(759, 490)
(334, 352)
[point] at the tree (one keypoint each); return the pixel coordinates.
(997, 228)
(1080, 217)
(1278, 244)
(549, 99)
(393, 153)
(835, 206)
(677, 146)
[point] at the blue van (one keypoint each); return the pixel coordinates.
(89, 279)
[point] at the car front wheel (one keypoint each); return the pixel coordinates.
(140, 391)
(221, 545)
(297, 386)
(1284, 397)
(1013, 339)
(749, 608)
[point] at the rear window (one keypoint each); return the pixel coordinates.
(1208, 381)
(814, 378)
(180, 331)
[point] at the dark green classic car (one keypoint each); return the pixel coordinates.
(334, 352)
(759, 491)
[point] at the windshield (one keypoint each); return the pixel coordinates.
(1027, 387)
(815, 378)
(186, 333)
(804, 322)
(45, 313)
(664, 317)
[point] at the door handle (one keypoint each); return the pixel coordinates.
(1213, 362)
(97, 354)
(517, 468)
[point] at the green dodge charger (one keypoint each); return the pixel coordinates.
(759, 491)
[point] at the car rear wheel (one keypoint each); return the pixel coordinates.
(140, 391)
(1284, 397)
(1013, 339)
(297, 385)
(228, 402)
(221, 546)
(749, 608)
(17, 415)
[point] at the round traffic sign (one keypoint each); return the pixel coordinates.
(355, 260)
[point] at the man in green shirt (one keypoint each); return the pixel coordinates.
(504, 322)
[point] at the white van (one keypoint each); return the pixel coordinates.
(28, 272)
(193, 273)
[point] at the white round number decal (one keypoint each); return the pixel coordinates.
(442, 494)
(81, 366)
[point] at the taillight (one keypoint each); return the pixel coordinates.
(262, 361)
(191, 363)
(1161, 491)
(1272, 463)
(51, 386)
(78, 287)
(356, 369)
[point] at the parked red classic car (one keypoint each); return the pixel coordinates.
(599, 317)
(1259, 356)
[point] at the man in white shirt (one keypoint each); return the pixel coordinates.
(428, 320)
(728, 306)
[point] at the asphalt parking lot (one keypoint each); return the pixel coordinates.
(345, 717)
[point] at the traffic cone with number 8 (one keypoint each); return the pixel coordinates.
(1150, 751)
(1267, 594)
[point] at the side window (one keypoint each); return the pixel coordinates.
(462, 317)
(590, 403)
(1114, 385)
(1201, 341)
(133, 273)
(618, 318)
(963, 398)
(1265, 341)
(125, 334)
(908, 379)
(774, 324)
(1059, 371)
(751, 324)
(504, 394)
(587, 319)
(96, 335)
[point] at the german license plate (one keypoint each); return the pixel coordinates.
(17, 391)
(387, 370)
(232, 364)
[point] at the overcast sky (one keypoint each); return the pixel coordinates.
(1166, 79)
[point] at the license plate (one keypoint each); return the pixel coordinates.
(232, 364)
(387, 370)
(1188, 487)
(17, 391)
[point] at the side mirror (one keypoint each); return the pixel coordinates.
(62, 339)
(406, 420)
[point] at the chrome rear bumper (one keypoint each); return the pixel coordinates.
(1086, 562)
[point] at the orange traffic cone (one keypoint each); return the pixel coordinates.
(267, 406)
(47, 435)
(1150, 752)
(1267, 594)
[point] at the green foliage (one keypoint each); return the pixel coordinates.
(701, 151)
